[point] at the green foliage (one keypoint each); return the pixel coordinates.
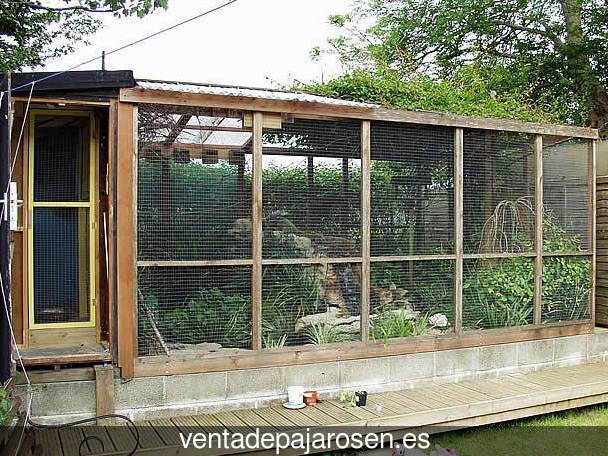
(464, 93)
(322, 333)
(5, 405)
(548, 54)
(33, 32)
(211, 316)
(566, 288)
(499, 293)
(390, 324)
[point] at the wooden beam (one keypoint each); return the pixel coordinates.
(139, 95)
(592, 222)
(538, 230)
(458, 227)
(126, 236)
(111, 221)
(256, 234)
(365, 228)
(307, 354)
(104, 390)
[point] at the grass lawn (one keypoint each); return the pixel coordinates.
(573, 432)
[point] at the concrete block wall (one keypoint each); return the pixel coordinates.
(158, 397)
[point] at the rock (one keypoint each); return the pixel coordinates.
(241, 228)
(334, 318)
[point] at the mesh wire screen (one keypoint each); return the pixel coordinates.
(61, 265)
(566, 195)
(194, 184)
(412, 189)
(61, 159)
(311, 189)
(310, 304)
(498, 293)
(499, 182)
(187, 310)
(566, 288)
(411, 298)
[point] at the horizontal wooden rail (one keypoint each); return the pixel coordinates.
(169, 97)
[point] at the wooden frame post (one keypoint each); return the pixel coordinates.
(538, 229)
(125, 213)
(458, 226)
(592, 221)
(256, 234)
(365, 227)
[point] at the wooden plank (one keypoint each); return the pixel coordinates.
(231, 421)
(252, 419)
(111, 220)
(49, 440)
(57, 337)
(126, 236)
(538, 230)
(385, 258)
(166, 430)
(214, 362)
(345, 413)
(320, 416)
(104, 389)
(208, 422)
(592, 223)
(256, 233)
(139, 95)
(272, 261)
(98, 440)
(71, 438)
(271, 416)
(193, 263)
(296, 417)
(458, 226)
(365, 227)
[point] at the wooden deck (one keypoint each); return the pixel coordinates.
(467, 403)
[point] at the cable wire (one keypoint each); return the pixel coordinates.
(133, 43)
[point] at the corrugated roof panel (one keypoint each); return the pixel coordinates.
(268, 94)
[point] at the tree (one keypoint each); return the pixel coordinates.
(553, 51)
(33, 31)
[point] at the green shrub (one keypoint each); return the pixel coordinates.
(499, 293)
(5, 405)
(566, 288)
(212, 316)
(390, 324)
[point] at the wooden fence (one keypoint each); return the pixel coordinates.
(601, 291)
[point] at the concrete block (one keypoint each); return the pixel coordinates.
(139, 392)
(598, 342)
(64, 398)
(255, 382)
(452, 362)
(497, 357)
(195, 388)
(316, 376)
(573, 347)
(535, 352)
(411, 367)
(362, 372)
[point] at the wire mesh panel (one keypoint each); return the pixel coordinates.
(411, 298)
(310, 304)
(61, 158)
(566, 195)
(412, 189)
(499, 186)
(184, 310)
(566, 288)
(498, 293)
(61, 265)
(194, 184)
(311, 189)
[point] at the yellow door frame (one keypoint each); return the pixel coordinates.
(90, 204)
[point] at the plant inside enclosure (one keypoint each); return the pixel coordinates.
(400, 323)
(322, 333)
(4, 405)
(566, 288)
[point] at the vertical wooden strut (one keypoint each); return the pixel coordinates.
(592, 222)
(126, 236)
(538, 230)
(256, 234)
(458, 226)
(365, 227)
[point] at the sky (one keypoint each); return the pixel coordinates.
(260, 43)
